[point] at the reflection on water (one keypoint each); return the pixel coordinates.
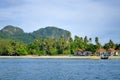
(59, 69)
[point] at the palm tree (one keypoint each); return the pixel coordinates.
(97, 43)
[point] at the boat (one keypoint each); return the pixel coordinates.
(104, 56)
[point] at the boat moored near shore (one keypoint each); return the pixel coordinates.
(104, 55)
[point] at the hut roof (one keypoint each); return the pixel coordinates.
(80, 50)
(101, 50)
(117, 50)
(112, 50)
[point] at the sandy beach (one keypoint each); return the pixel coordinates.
(51, 57)
(61, 57)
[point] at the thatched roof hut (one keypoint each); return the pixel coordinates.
(118, 51)
(101, 50)
(80, 50)
(111, 50)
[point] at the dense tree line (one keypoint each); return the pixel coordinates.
(51, 46)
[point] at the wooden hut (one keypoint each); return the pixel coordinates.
(100, 51)
(112, 52)
(118, 52)
(79, 52)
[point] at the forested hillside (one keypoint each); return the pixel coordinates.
(15, 33)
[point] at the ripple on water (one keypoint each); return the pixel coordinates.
(59, 69)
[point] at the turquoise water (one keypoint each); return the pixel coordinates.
(59, 69)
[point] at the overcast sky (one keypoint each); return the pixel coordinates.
(81, 17)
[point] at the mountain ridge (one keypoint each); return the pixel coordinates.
(16, 33)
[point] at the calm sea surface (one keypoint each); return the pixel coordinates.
(59, 69)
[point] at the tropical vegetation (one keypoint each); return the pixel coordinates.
(47, 41)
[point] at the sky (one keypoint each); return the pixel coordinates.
(92, 18)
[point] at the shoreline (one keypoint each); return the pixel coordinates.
(48, 57)
(60, 57)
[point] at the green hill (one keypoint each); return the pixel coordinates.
(51, 32)
(15, 33)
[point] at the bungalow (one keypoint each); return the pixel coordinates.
(87, 53)
(112, 52)
(79, 52)
(118, 52)
(100, 51)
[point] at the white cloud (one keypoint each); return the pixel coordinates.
(81, 17)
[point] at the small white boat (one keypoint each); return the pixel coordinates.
(104, 56)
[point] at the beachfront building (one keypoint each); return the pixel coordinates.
(118, 52)
(109, 52)
(100, 51)
(81, 52)
(87, 53)
(112, 52)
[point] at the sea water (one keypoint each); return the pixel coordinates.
(59, 69)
